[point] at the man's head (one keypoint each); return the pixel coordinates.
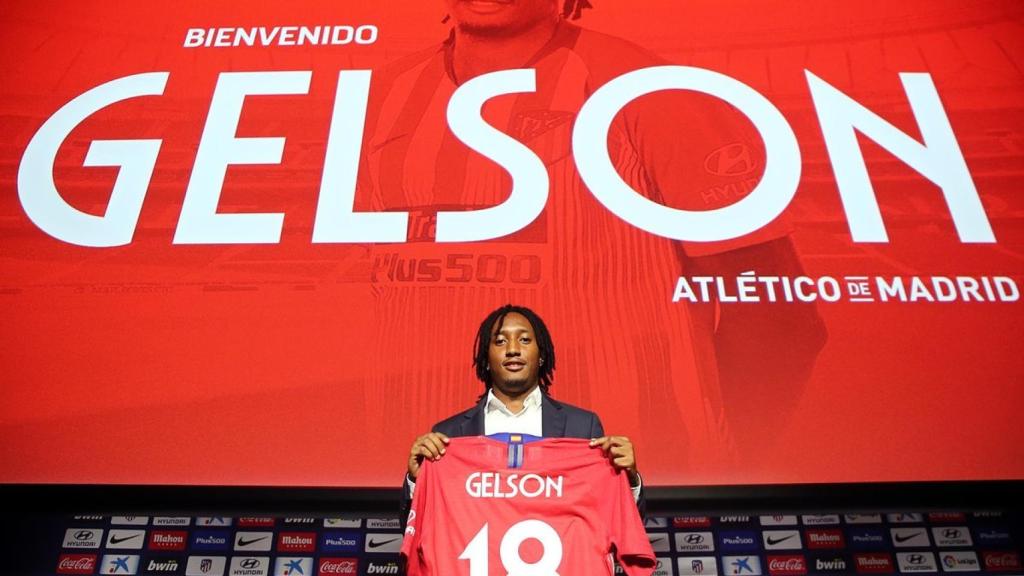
(514, 351)
(508, 17)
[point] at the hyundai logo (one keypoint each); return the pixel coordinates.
(951, 533)
(250, 563)
(694, 538)
(915, 559)
(731, 160)
(84, 535)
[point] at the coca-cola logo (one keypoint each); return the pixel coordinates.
(787, 565)
(338, 566)
(76, 564)
(691, 521)
(255, 522)
(946, 517)
(1002, 560)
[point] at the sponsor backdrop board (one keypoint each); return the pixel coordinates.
(761, 237)
(975, 542)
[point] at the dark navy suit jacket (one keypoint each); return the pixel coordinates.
(558, 420)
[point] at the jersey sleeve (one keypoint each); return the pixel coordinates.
(632, 548)
(414, 525)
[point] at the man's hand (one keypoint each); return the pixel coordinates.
(620, 451)
(430, 445)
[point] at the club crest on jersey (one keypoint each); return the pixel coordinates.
(531, 124)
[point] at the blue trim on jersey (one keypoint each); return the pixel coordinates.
(521, 438)
(515, 446)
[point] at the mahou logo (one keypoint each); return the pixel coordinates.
(338, 566)
(167, 540)
(873, 563)
(76, 564)
(788, 565)
(828, 538)
(296, 542)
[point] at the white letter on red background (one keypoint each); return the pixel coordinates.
(529, 177)
(38, 193)
(335, 219)
(939, 159)
(199, 222)
(771, 196)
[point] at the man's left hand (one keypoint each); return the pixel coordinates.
(620, 451)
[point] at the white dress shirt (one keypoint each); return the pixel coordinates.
(499, 419)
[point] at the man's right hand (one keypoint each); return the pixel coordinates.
(430, 445)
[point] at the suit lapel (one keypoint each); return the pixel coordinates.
(473, 423)
(552, 418)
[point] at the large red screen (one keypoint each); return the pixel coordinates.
(241, 331)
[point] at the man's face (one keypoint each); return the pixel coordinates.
(499, 17)
(513, 356)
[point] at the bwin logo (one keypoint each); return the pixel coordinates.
(694, 539)
(830, 564)
(382, 569)
(162, 566)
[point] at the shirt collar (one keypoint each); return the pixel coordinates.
(533, 399)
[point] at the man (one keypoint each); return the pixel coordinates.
(665, 368)
(515, 360)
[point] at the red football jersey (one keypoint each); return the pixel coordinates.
(550, 507)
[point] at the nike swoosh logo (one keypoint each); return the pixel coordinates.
(116, 540)
(244, 542)
(902, 539)
(376, 544)
(774, 541)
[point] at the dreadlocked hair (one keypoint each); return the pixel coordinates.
(492, 325)
(573, 9)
